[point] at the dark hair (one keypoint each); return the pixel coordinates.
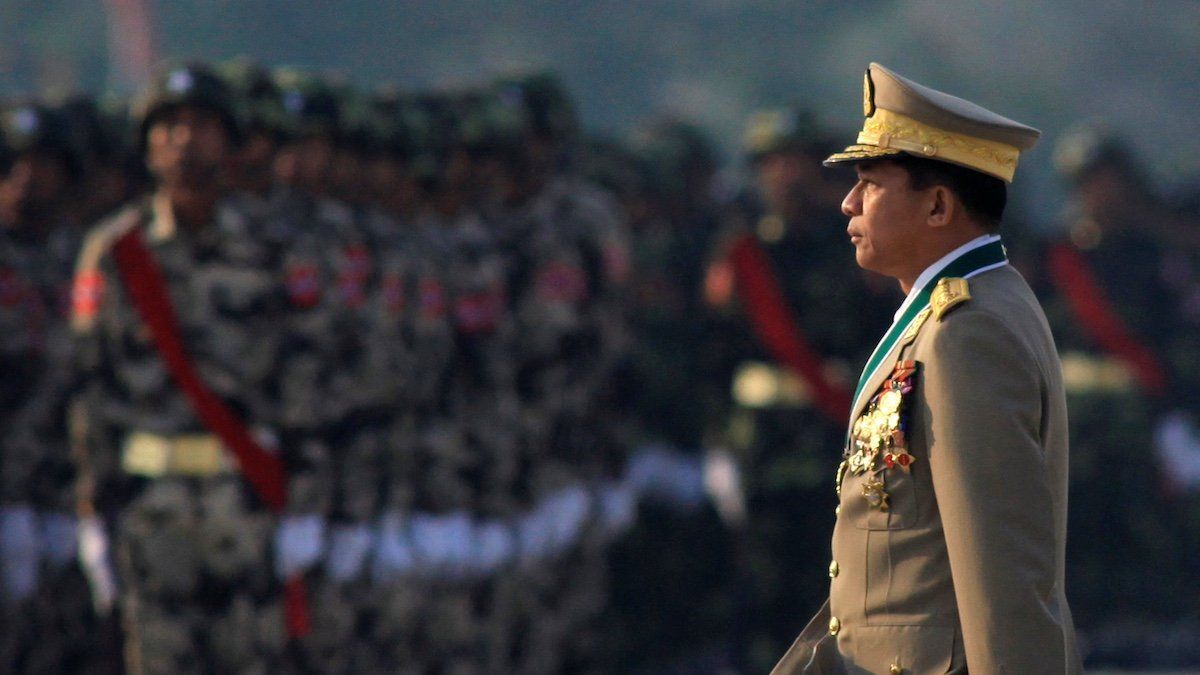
(983, 196)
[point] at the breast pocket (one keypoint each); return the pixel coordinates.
(908, 649)
(889, 500)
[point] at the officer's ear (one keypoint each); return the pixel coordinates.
(942, 205)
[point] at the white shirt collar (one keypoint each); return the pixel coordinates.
(932, 270)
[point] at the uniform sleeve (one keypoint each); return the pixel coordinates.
(984, 395)
(92, 444)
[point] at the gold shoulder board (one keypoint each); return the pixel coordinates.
(949, 293)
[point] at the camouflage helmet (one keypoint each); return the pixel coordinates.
(490, 123)
(356, 126)
(418, 128)
(673, 152)
(548, 110)
(435, 124)
(310, 105)
(95, 137)
(785, 129)
(29, 127)
(1089, 145)
(189, 84)
(614, 166)
(257, 97)
(387, 116)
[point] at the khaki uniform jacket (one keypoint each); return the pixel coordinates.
(965, 565)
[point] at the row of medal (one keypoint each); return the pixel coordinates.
(880, 432)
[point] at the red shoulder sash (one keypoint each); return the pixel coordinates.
(777, 328)
(147, 288)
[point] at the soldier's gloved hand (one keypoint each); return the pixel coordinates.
(442, 543)
(496, 547)
(458, 529)
(20, 551)
(668, 475)
(59, 539)
(299, 542)
(1178, 445)
(97, 565)
(534, 536)
(349, 547)
(566, 512)
(618, 507)
(723, 482)
(393, 550)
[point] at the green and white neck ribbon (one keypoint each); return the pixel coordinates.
(987, 254)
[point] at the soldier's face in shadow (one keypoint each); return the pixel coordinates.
(187, 147)
(32, 188)
(887, 220)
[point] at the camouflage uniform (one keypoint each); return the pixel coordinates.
(191, 542)
(333, 384)
(183, 538)
(669, 607)
(567, 252)
(438, 325)
(37, 252)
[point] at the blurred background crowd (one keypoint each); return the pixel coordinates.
(546, 398)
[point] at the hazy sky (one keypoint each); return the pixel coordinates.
(1135, 65)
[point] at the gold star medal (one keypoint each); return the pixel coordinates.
(872, 489)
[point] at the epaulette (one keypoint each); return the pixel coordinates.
(949, 293)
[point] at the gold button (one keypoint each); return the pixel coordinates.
(896, 669)
(834, 626)
(833, 570)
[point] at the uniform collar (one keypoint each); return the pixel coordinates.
(932, 270)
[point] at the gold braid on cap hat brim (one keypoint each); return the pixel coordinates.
(893, 132)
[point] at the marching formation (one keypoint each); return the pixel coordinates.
(301, 377)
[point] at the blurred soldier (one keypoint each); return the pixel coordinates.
(399, 127)
(451, 459)
(112, 171)
(264, 122)
(672, 235)
(564, 259)
(332, 384)
(177, 312)
(1115, 286)
(39, 168)
(781, 359)
(668, 603)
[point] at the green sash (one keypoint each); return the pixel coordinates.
(975, 260)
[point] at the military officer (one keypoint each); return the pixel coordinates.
(949, 545)
(45, 626)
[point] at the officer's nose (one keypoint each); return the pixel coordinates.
(852, 204)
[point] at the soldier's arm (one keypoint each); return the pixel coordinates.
(984, 393)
